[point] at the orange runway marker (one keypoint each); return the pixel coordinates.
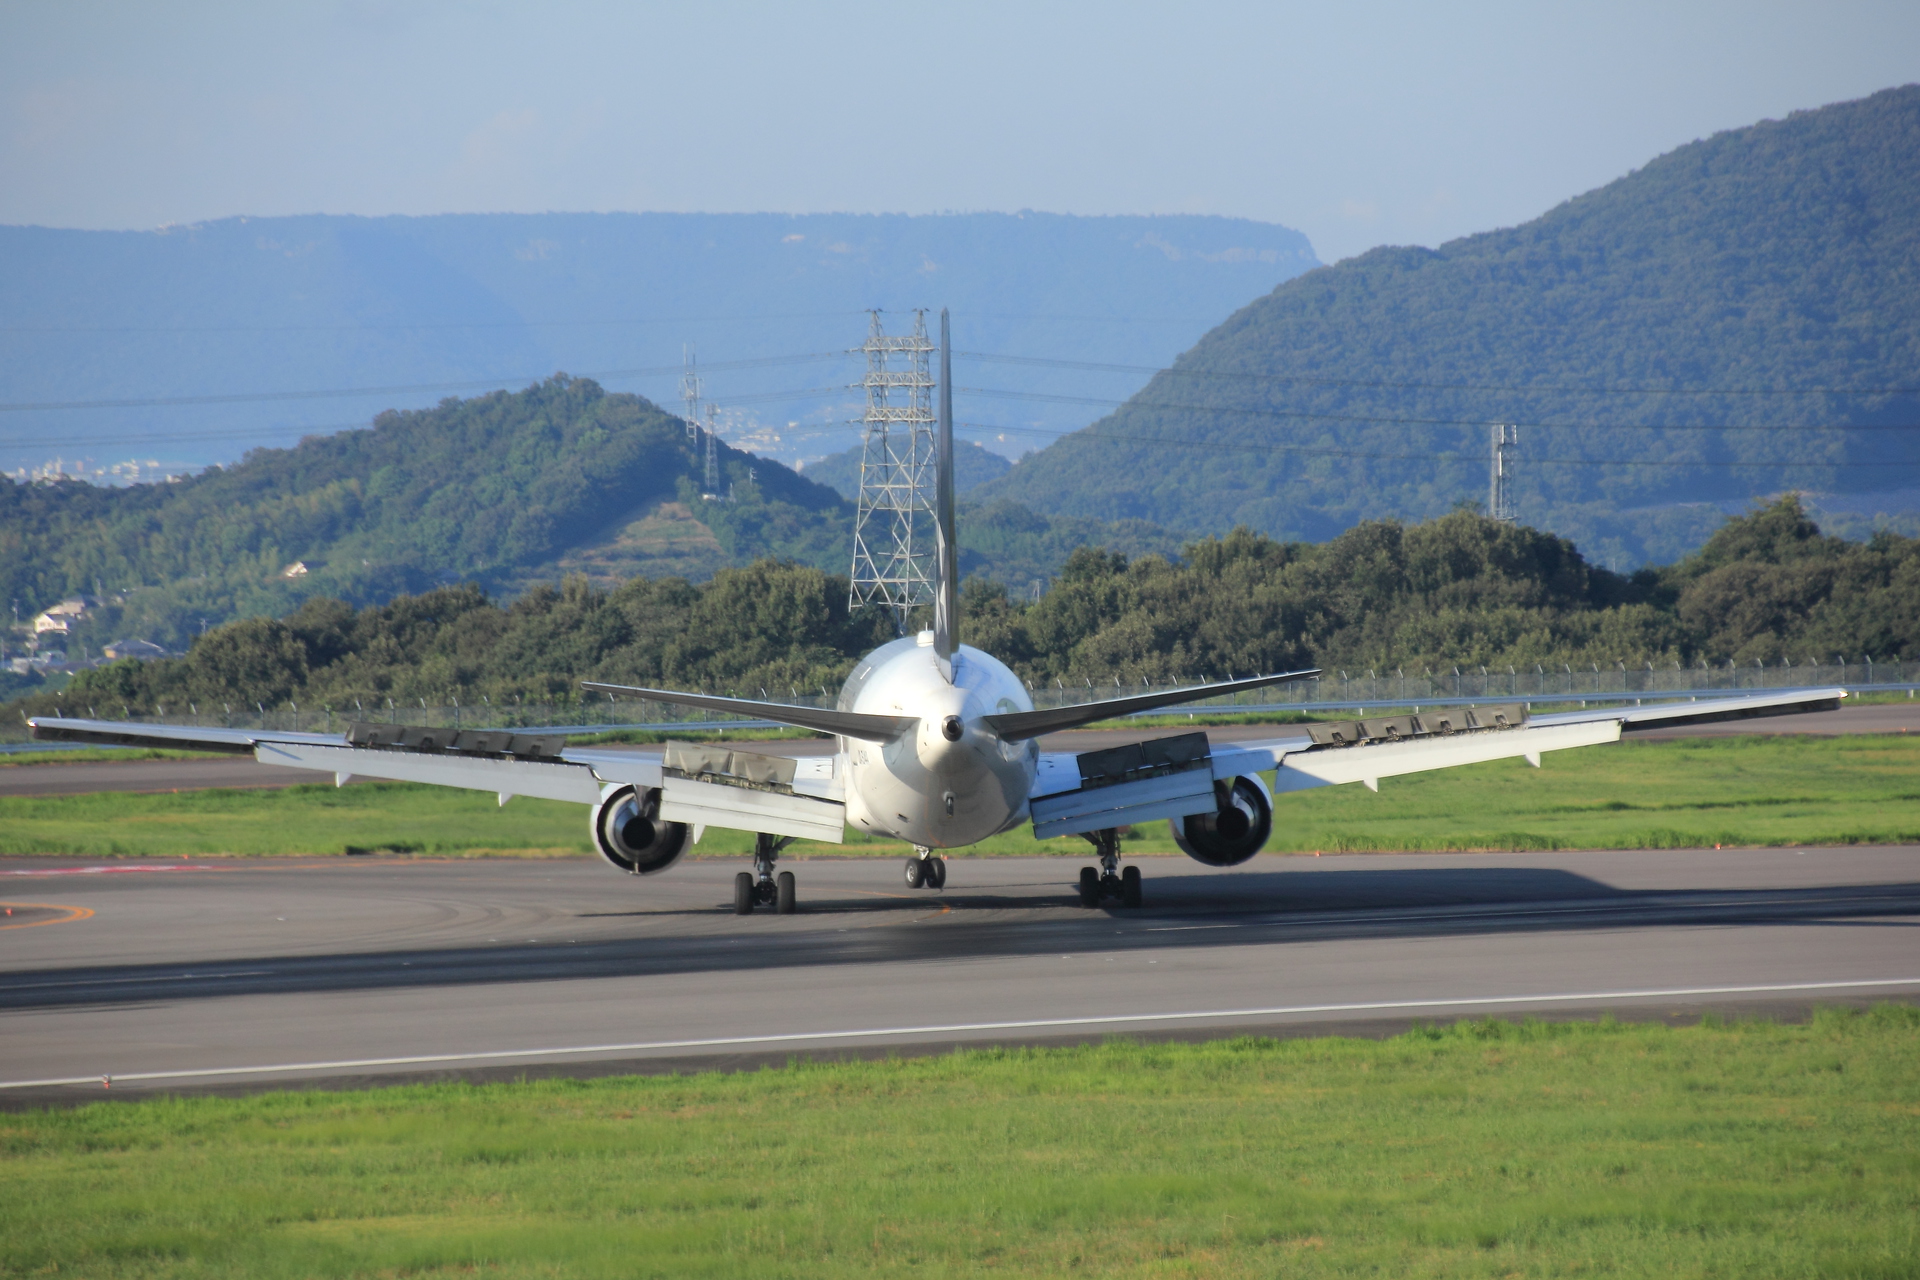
(73, 913)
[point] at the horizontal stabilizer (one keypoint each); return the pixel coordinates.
(1014, 726)
(848, 724)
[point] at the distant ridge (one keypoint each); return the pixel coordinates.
(245, 305)
(1785, 255)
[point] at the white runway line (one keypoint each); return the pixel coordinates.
(1034, 1024)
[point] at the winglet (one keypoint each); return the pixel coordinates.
(946, 600)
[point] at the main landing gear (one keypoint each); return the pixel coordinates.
(760, 887)
(1109, 881)
(926, 869)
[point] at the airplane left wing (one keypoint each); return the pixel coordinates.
(699, 786)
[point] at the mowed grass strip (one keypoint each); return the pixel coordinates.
(1686, 793)
(1485, 1149)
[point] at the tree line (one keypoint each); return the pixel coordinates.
(1456, 590)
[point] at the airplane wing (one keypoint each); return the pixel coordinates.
(1174, 777)
(700, 786)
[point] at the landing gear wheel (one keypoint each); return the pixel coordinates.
(786, 899)
(916, 873)
(1089, 887)
(1130, 887)
(936, 873)
(743, 894)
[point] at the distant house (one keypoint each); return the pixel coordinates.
(301, 568)
(144, 650)
(62, 616)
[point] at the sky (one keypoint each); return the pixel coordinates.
(1359, 124)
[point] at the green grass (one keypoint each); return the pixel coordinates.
(1687, 793)
(1684, 793)
(94, 755)
(1486, 1149)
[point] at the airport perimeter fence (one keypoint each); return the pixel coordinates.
(1331, 691)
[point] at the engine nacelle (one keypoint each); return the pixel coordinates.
(628, 832)
(1235, 831)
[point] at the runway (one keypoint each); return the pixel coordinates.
(245, 974)
(241, 771)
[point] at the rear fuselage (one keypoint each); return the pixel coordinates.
(951, 781)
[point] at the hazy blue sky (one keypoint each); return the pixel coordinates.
(1359, 124)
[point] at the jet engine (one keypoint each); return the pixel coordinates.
(628, 832)
(1236, 830)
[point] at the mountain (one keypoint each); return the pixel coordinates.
(972, 466)
(501, 490)
(334, 319)
(1737, 318)
(504, 491)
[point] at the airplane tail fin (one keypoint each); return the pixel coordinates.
(946, 600)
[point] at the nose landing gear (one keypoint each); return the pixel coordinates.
(926, 869)
(760, 887)
(1109, 881)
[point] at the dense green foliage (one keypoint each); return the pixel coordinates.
(1460, 589)
(1746, 791)
(1781, 256)
(1481, 1149)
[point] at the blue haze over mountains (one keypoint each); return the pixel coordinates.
(323, 303)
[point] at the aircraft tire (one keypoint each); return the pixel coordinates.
(936, 873)
(743, 894)
(786, 896)
(1089, 887)
(1130, 887)
(916, 873)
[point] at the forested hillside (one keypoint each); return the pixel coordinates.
(1737, 318)
(972, 467)
(496, 490)
(1460, 589)
(504, 491)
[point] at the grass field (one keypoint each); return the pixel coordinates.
(1485, 1149)
(1686, 793)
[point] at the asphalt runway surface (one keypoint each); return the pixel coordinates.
(272, 973)
(58, 779)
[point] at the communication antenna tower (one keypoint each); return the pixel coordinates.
(712, 490)
(893, 543)
(1499, 495)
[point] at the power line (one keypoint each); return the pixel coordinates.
(673, 370)
(1294, 414)
(434, 325)
(989, 358)
(1317, 451)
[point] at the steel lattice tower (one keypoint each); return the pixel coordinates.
(893, 523)
(1499, 490)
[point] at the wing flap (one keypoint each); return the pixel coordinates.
(778, 813)
(1369, 762)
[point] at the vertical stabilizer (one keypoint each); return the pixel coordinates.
(946, 598)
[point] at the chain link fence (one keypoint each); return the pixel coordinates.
(1334, 690)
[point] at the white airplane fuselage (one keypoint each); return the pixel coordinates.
(952, 780)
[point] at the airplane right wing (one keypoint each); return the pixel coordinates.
(1175, 777)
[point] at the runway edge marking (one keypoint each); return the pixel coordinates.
(1030, 1024)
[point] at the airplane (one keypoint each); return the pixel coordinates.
(936, 745)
